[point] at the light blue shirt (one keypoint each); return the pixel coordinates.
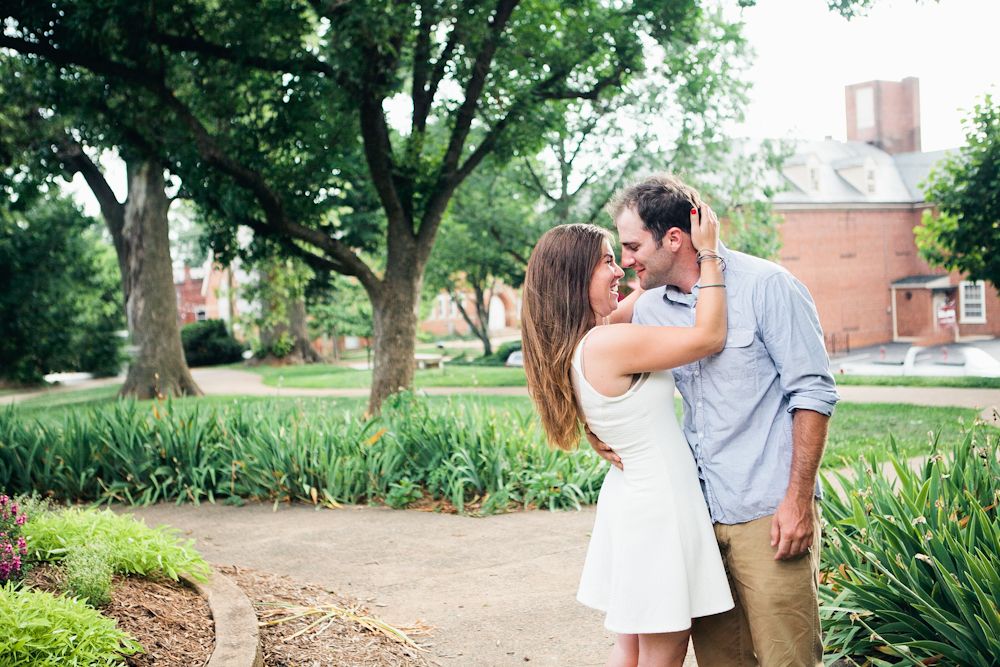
(738, 403)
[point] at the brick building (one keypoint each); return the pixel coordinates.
(205, 294)
(849, 212)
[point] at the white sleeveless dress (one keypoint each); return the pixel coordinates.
(653, 562)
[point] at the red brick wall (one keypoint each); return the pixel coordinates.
(914, 314)
(897, 115)
(847, 259)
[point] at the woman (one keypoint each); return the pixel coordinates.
(653, 561)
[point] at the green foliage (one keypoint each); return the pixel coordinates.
(208, 344)
(965, 187)
(498, 358)
(87, 569)
(403, 493)
(60, 300)
(144, 453)
(128, 545)
(338, 306)
(43, 630)
(913, 567)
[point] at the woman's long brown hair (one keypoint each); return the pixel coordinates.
(555, 315)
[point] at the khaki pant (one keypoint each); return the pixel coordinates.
(776, 619)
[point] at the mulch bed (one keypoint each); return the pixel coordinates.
(309, 626)
(169, 619)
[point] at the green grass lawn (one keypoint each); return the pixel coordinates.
(919, 381)
(326, 376)
(857, 428)
(319, 376)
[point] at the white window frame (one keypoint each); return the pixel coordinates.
(963, 316)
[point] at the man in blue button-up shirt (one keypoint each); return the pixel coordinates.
(755, 416)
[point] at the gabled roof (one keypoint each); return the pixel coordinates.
(853, 172)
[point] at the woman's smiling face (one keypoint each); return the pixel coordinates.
(604, 284)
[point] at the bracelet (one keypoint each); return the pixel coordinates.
(718, 258)
(714, 285)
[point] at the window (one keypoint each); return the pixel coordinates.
(200, 314)
(973, 302)
(864, 108)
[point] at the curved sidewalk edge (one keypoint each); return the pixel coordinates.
(237, 638)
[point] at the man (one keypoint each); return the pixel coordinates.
(755, 416)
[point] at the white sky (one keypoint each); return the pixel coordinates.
(806, 54)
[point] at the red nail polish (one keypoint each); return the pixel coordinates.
(694, 211)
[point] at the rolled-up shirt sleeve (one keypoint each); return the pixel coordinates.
(790, 329)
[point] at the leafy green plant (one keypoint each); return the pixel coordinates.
(913, 566)
(208, 343)
(131, 546)
(44, 630)
(403, 493)
(88, 571)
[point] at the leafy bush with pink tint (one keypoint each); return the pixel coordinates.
(13, 547)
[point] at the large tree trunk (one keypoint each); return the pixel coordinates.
(394, 321)
(159, 368)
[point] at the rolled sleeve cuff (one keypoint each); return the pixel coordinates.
(821, 403)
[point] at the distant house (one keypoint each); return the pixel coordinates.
(446, 320)
(207, 293)
(849, 213)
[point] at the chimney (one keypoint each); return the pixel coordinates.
(885, 114)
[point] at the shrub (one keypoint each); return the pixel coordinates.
(208, 343)
(913, 569)
(498, 358)
(13, 547)
(128, 545)
(44, 630)
(88, 571)
(144, 453)
(60, 294)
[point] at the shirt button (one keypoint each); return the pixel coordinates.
(699, 405)
(700, 435)
(697, 371)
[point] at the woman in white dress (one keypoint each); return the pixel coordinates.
(653, 563)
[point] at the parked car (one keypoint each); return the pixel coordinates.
(515, 358)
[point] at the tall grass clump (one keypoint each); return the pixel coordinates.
(472, 457)
(912, 566)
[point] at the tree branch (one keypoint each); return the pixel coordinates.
(113, 210)
(474, 88)
(192, 43)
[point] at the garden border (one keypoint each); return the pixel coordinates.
(237, 636)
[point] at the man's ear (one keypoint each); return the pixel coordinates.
(674, 238)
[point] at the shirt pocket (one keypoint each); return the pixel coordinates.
(737, 363)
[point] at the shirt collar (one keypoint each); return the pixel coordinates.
(675, 295)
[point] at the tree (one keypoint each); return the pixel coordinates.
(47, 122)
(339, 307)
(280, 289)
(485, 238)
(281, 99)
(59, 309)
(740, 188)
(965, 187)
